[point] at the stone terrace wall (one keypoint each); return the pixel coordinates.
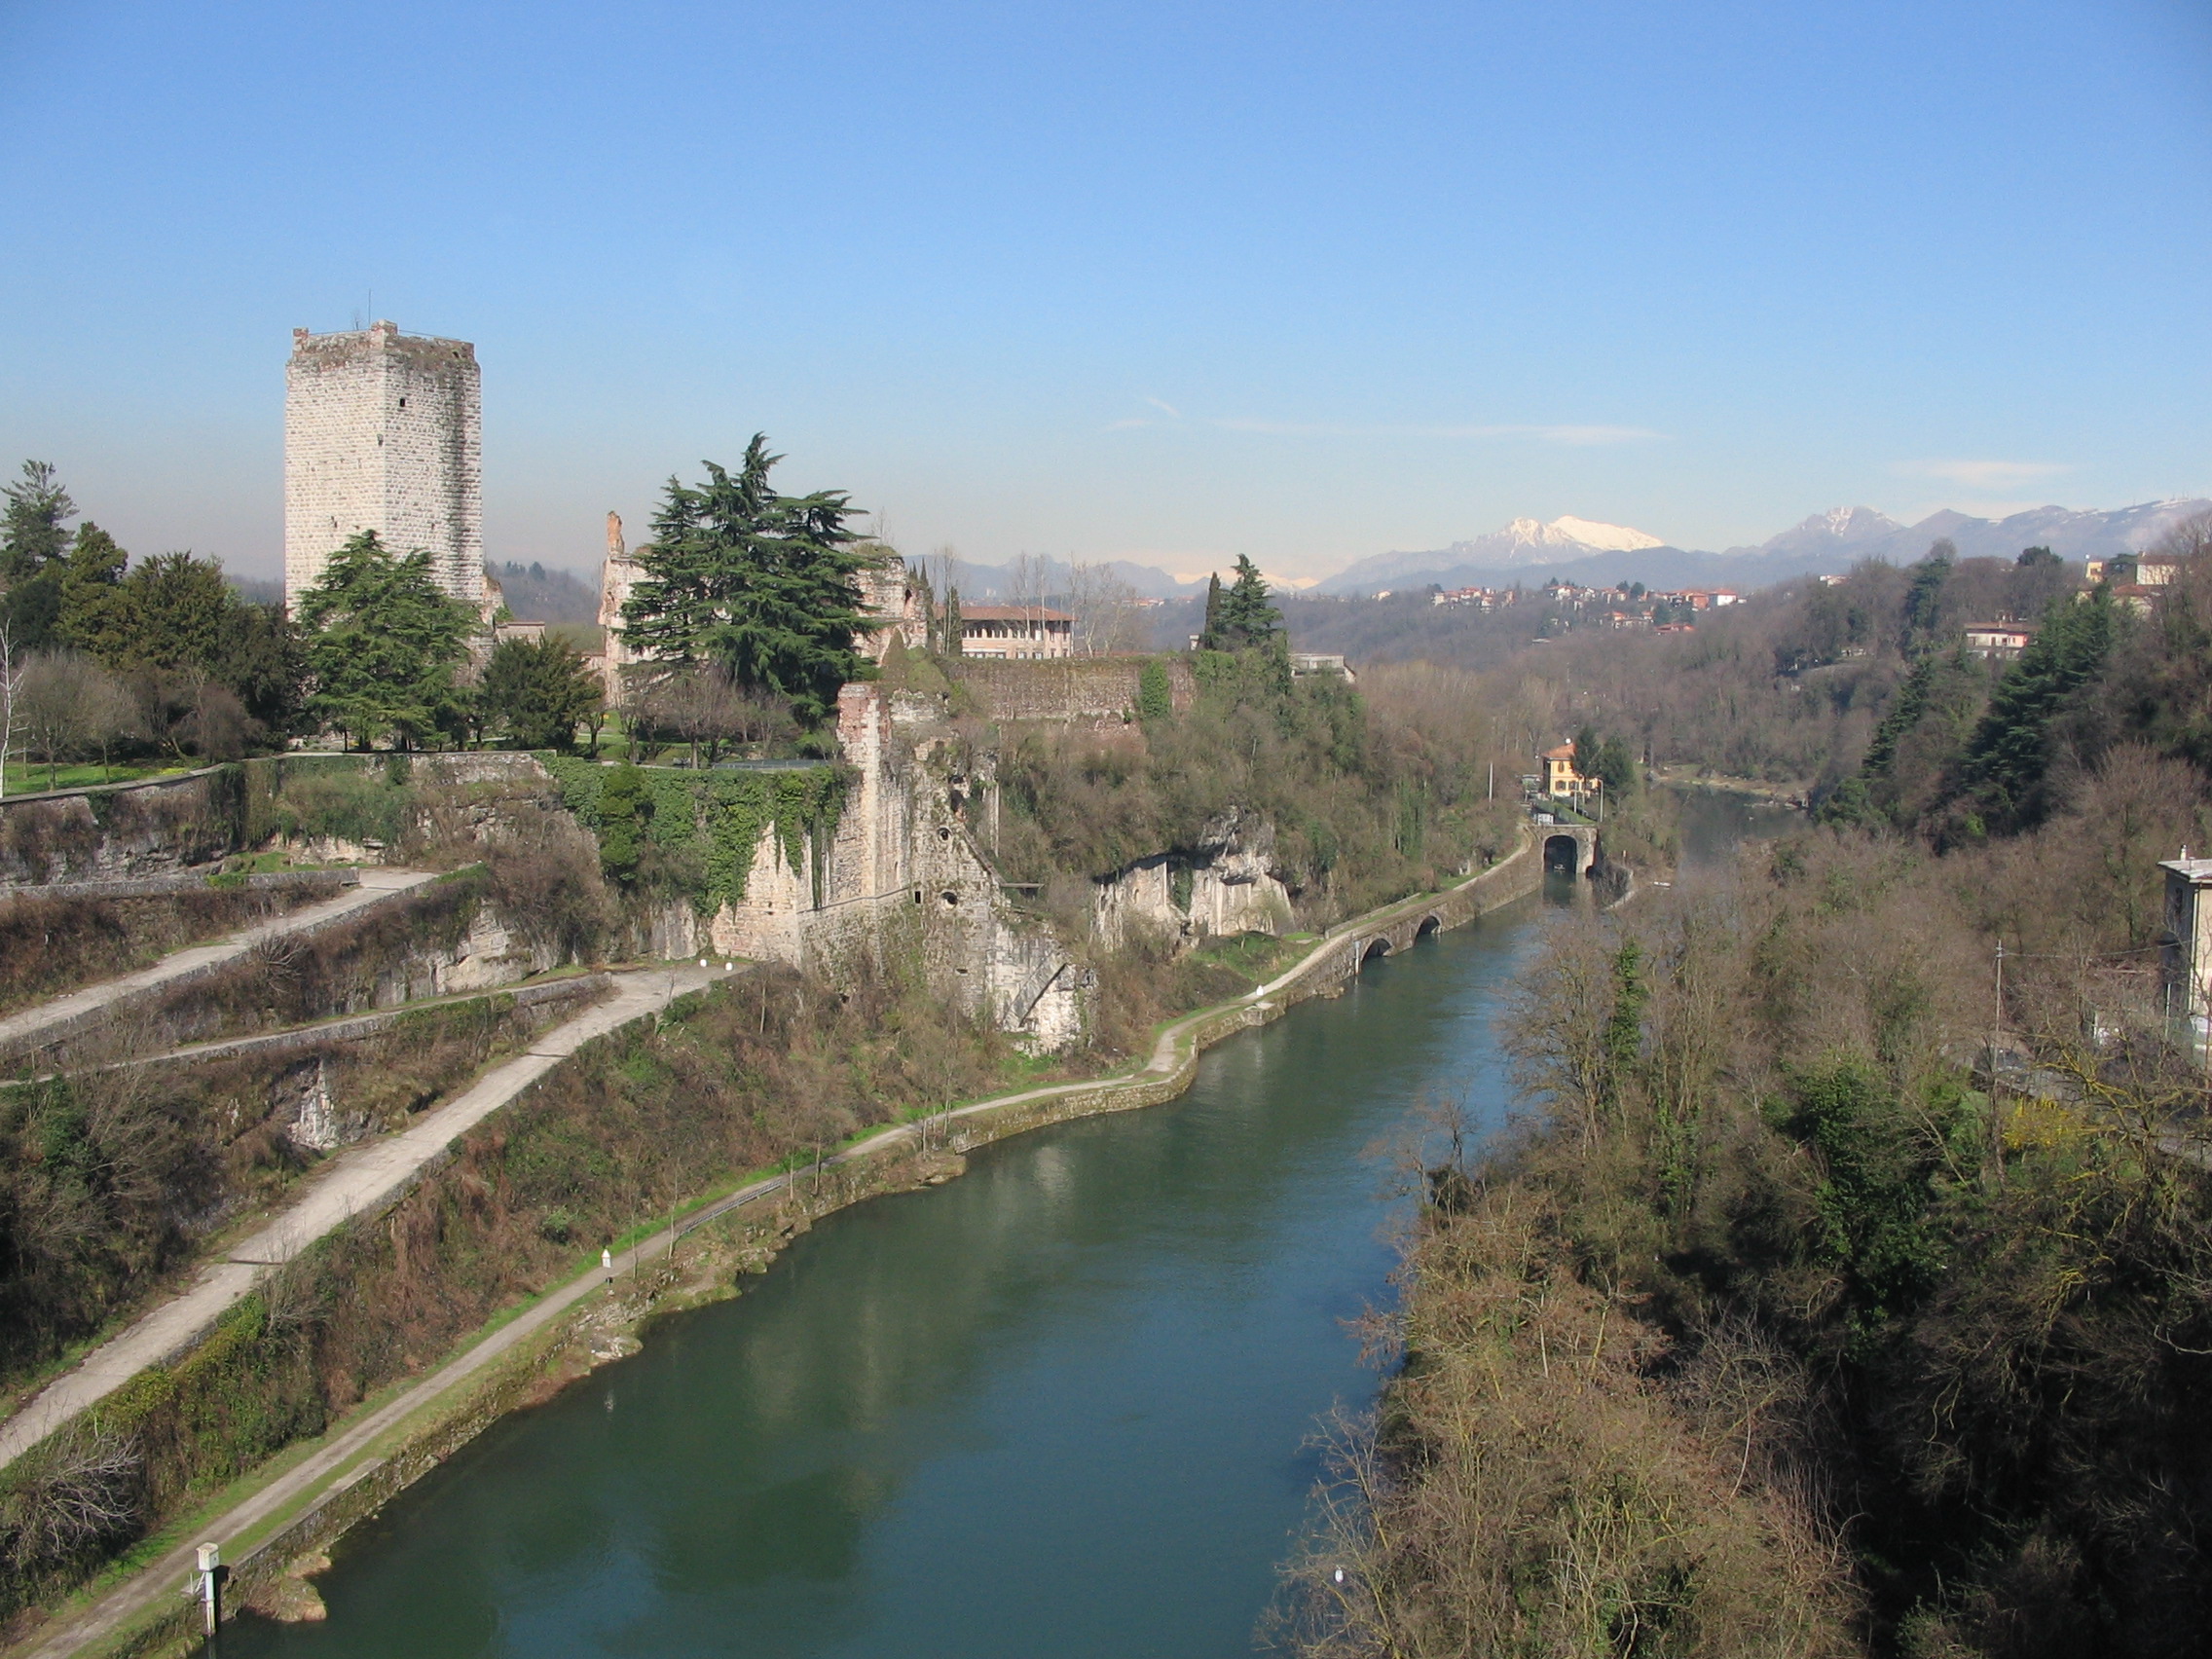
(168, 825)
(1072, 689)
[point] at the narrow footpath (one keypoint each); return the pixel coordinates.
(28, 1028)
(361, 1180)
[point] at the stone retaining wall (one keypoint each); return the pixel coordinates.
(1068, 688)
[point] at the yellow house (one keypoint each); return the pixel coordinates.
(1562, 782)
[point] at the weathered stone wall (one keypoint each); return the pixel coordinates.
(164, 826)
(1071, 688)
(906, 870)
(160, 827)
(1233, 889)
(384, 431)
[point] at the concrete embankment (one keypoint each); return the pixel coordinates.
(291, 1517)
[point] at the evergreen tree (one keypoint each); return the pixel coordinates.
(93, 614)
(34, 544)
(1622, 1043)
(759, 585)
(1924, 599)
(625, 811)
(175, 612)
(1904, 714)
(383, 641)
(540, 691)
(264, 661)
(1240, 616)
(2008, 756)
(956, 631)
(1156, 698)
(1617, 768)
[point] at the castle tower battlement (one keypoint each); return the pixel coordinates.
(384, 431)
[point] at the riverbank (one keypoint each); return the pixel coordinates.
(317, 1492)
(1791, 794)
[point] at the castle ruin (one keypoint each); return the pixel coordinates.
(384, 431)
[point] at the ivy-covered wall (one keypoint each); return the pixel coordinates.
(697, 832)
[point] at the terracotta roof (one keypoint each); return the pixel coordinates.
(1565, 751)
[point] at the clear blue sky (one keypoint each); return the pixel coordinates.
(1167, 281)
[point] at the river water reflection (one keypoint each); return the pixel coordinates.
(1060, 1405)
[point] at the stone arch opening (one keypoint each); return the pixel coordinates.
(1562, 852)
(1375, 948)
(1428, 925)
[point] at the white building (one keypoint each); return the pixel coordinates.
(384, 431)
(1027, 631)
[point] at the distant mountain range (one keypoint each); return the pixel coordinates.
(1582, 550)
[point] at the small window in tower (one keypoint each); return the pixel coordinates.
(403, 403)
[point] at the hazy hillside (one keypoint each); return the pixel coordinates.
(537, 593)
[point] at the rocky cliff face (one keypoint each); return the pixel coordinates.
(908, 868)
(1225, 886)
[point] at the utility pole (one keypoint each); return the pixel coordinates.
(1996, 1112)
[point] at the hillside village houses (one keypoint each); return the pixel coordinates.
(1629, 607)
(2002, 641)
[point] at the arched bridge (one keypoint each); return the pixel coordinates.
(1570, 847)
(1560, 846)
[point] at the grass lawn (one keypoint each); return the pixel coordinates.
(24, 779)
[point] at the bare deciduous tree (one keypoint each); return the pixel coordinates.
(67, 706)
(1104, 607)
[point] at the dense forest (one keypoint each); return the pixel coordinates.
(1844, 1288)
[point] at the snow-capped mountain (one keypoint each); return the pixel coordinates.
(1523, 543)
(1841, 537)
(1826, 533)
(1529, 552)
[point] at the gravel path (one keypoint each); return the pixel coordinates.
(30, 1028)
(363, 1179)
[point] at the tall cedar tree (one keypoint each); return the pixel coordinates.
(32, 544)
(538, 691)
(1924, 600)
(383, 641)
(759, 585)
(1239, 616)
(2008, 756)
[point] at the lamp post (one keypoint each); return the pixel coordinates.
(210, 1574)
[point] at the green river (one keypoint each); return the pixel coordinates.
(1062, 1406)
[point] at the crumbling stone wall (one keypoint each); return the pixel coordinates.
(906, 870)
(1069, 689)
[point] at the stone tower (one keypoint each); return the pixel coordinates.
(384, 431)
